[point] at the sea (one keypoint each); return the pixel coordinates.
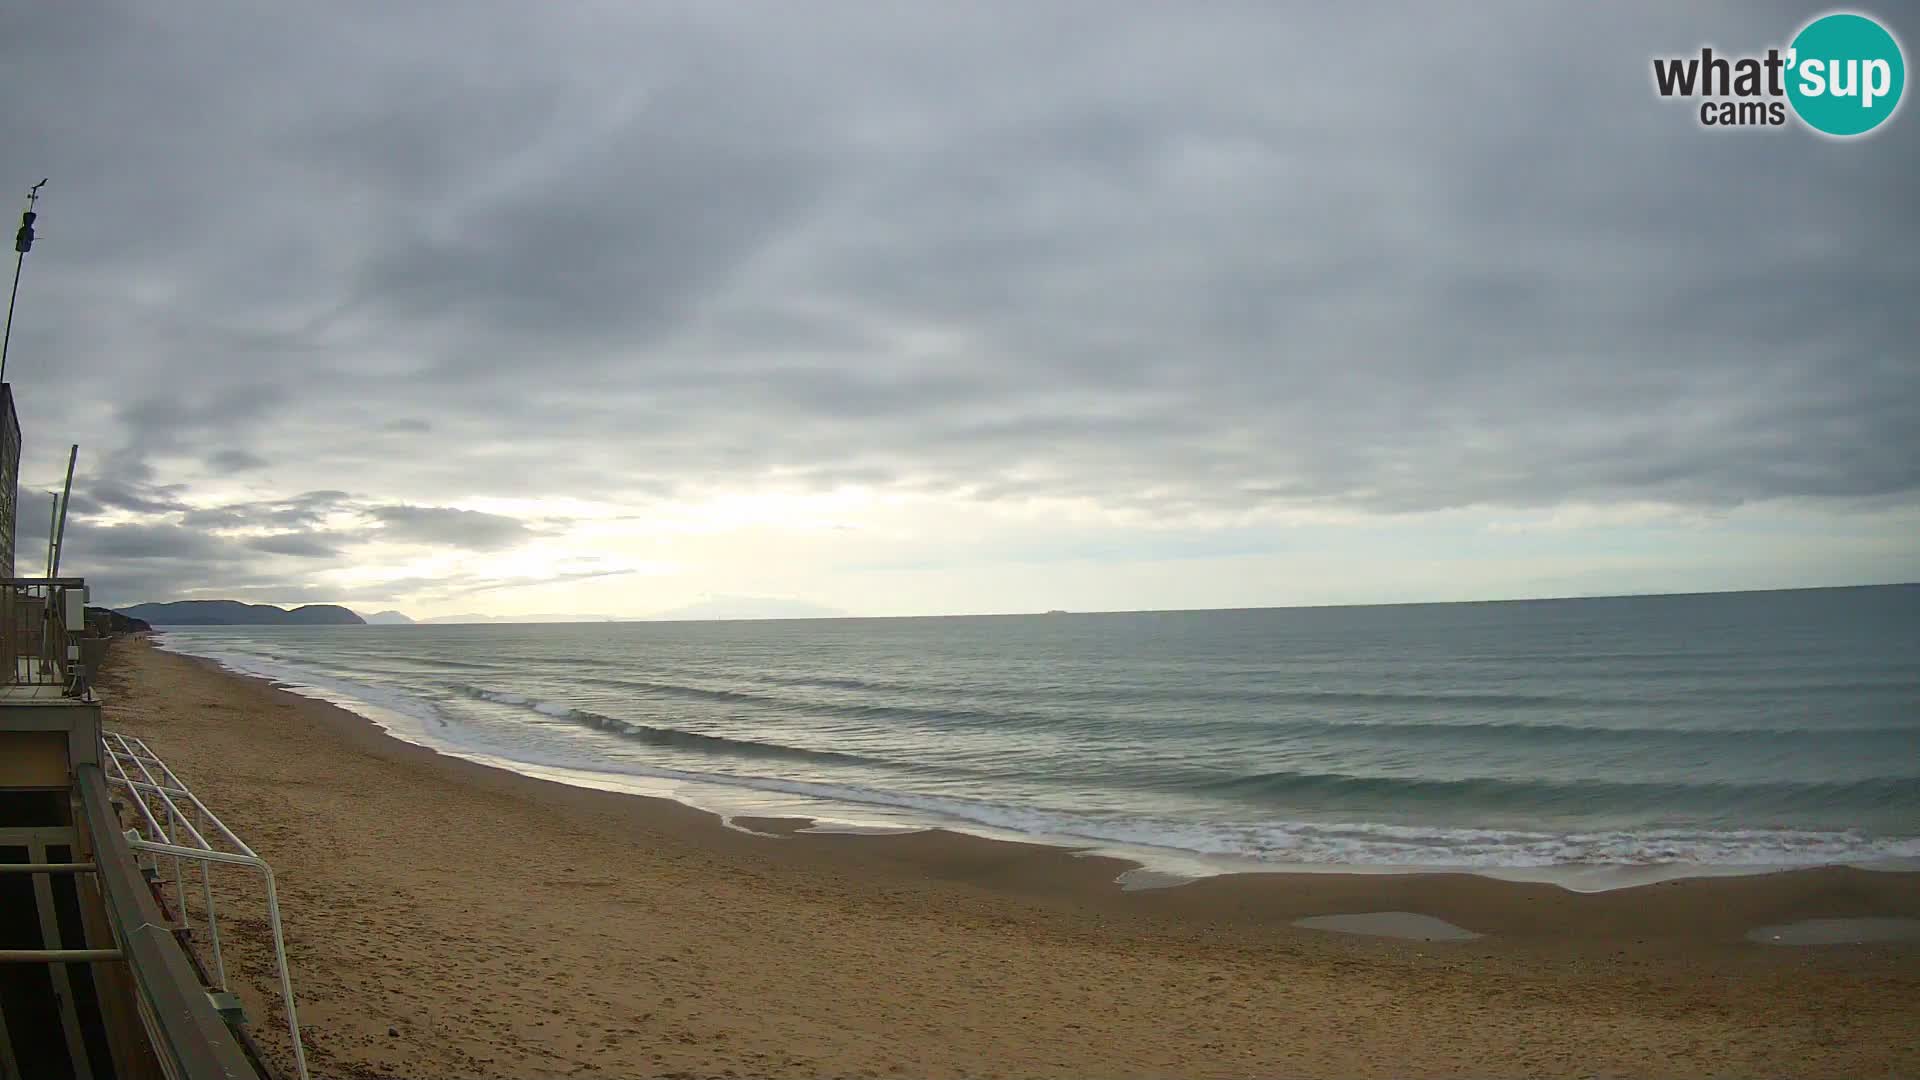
(1593, 742)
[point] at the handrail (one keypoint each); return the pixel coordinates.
(57, 956)
(179, 837)
(182, 1024)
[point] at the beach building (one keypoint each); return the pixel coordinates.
(111, 962)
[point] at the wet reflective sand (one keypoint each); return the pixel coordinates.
(1400, 924)
(1837, 932)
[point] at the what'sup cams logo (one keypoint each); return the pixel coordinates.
(1841, 76)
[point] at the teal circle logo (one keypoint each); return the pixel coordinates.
(1845, 74)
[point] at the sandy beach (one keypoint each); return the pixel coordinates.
(446, 919)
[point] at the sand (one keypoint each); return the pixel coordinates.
(446, 919)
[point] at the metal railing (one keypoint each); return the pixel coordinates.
(175, 826)
(37, 646)
(187, 1035)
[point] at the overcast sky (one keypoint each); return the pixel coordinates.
(912, 308)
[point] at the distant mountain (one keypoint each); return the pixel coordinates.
(235, 613)
(387, 618)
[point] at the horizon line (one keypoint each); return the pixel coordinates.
(446, 620)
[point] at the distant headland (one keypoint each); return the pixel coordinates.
(235, 613)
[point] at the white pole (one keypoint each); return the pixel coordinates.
(286, 977)
(53, 523)
(60, 535)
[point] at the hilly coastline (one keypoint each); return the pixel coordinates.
(235, 613)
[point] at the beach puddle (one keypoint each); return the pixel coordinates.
(1398, 924)
(1837, 932)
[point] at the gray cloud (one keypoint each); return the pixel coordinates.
(300, 545)
(108, 493)
(218, 550)
(302, 511)
(1164, 260)
(233, 461)
(140, 542)
(452, 528)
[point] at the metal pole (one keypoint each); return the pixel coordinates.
(286, 977)
(53, 521)
(46, 614)
(60, 534)
(179, 873)
(20, 247)
(6, 340)
(213, 920)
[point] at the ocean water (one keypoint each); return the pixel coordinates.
(1610, 738)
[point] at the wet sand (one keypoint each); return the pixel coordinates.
(1407, 925)
(446, 919)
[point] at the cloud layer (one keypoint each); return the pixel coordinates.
(1174, 265)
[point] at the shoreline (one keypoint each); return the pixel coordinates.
(1149, 866)
(450, 918)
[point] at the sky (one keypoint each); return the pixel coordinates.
(886, 309)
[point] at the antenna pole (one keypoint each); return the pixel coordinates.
(22, 243)
(66, 496)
